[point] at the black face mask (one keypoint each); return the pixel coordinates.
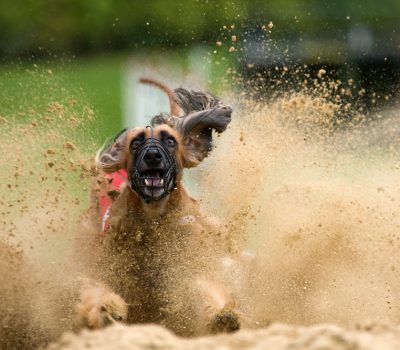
(153, 157)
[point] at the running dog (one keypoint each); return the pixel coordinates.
(160, 257)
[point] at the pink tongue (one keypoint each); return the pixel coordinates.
(156, 182)
(153, 179)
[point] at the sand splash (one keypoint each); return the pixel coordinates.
(43, 180)
(315, 199)
(318, 204)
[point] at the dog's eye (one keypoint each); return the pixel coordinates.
(170, 142)
(136, 143)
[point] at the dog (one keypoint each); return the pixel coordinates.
(159, 255)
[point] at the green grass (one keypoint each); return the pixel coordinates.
(99, 79)
(94, 82)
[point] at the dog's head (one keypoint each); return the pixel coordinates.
(155, 156)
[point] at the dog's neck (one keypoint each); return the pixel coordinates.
(154, 209)
(129, 202)
(162, 206)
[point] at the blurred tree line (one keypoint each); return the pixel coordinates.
(42, 27)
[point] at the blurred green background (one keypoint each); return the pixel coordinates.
(86, 44)
(83, 26)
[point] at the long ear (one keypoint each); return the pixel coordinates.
(196, 130)
(194, 101)
(188, 101)
(111, 157)
(163, 118)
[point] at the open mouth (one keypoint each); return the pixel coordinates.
(153, 175)
(153, 178)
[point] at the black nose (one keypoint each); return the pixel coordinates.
(152, 156)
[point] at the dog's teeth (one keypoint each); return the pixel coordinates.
(162, 182)
(147, 182)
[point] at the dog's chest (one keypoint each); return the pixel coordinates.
(144, 262)
(150, 249)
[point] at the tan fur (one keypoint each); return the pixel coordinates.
(161, 258)
(100, 307)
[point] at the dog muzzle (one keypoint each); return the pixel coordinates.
(153, 182)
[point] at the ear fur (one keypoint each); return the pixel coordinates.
(193, 101)
(164, 118)
(196, 130)
(111, 157)
(204, 112)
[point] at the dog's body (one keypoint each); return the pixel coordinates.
(161, 255)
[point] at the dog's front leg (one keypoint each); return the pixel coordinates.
(99, 306)
(218, 307)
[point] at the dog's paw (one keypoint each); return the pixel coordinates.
(100, 307)
(226, 321)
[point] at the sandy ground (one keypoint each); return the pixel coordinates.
(277, 337)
